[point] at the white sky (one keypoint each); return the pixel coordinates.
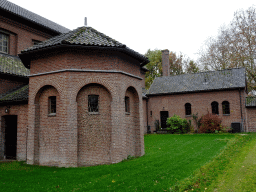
(177, 25)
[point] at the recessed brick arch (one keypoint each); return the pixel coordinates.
(94, 128)
(110, 88)
(47, 127)
(40, 86)
(132, 121)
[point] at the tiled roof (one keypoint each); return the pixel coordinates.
(30, 16)
(212, 80)
(20, 94)
(12, 65)
(88, 37)
(251, 101)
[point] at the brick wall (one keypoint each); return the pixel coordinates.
(7, 85)
(20, 35)
(21, 111)
(47, 127)
(94, 128)
(200, 103)
(93, 60)
(251, 119)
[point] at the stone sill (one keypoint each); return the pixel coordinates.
(93, 113)
(52, 115)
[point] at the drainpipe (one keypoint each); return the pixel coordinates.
(147, 113)
(27, 144)
(241, 108)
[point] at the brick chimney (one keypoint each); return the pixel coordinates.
(165, 62)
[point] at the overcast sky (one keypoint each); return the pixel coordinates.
(177, 25)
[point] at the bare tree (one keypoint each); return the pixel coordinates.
(235, 46)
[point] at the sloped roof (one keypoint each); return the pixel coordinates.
(87, 37)
(204, 81)
(12, 65)
(32, 17)
(20, 94)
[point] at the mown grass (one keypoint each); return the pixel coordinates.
(234, 169)
(168, 159)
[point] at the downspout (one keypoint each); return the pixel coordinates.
(241, 108)
(27, 145)
(147, 113)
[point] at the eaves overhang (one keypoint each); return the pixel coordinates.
(196, 91)
(26, 57)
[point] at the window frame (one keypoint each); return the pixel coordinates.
(188, 108)
(127, 104)
(225, 108)
(52, 105)
(215, 107)
(93, 109)
(1, 42)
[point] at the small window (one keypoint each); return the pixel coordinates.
(93, 103)
(4, 43)
(188, 109)
(225, 107)
(52, 105)
(127, 104)
(150, 113)
(215, 107)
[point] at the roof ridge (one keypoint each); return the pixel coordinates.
(202, 72)
(31, 16)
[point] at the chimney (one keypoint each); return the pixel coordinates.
(165, 62)
(85, 21)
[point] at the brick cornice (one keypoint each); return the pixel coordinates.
(85, 70)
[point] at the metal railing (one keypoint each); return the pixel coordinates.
(12, 65)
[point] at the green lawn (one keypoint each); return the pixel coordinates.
(168, 160)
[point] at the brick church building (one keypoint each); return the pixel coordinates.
(77, 98)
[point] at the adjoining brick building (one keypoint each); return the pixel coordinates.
(219, 92)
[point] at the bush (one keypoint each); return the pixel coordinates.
(177, 125)
(210, 123)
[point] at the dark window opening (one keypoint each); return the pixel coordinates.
(151, 113)
(215, 107)
(52, 104)
(4, 43)
(188, 109)
(93, 103)
(127, 104)
(225, 107)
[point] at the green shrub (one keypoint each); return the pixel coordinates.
(177, 125)
(157, 125)
(210, 123)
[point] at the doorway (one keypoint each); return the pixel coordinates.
(164, 115)
(10, 136)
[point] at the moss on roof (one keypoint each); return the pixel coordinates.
(20, 94)
(12, 65)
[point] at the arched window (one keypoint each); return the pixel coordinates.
(188, 109)
(215, 107)
(225, 107)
